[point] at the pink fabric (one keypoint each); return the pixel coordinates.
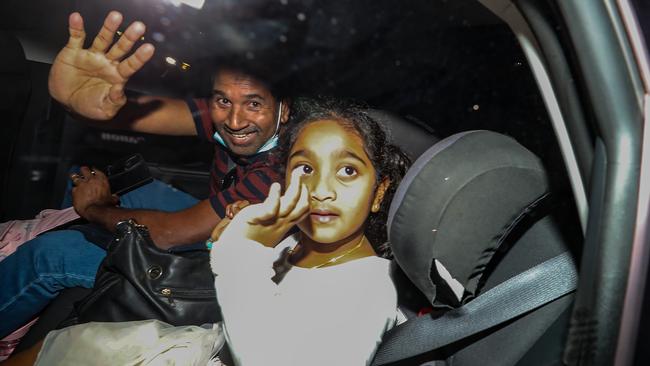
(12, 235)
(9, 343)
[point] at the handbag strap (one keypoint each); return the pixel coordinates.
(527, 291)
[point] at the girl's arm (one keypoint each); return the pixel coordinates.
(242, 262)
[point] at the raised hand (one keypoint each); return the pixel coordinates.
(91, 81)
(269, 221)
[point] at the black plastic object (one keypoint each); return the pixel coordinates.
(127, 174)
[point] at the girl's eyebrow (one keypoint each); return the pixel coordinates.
(342, 153)
(303, 153)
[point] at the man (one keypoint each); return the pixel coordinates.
(243, 117)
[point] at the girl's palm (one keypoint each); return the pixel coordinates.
(269, 221)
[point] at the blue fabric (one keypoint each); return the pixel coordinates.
(40, 268)
(155, 195)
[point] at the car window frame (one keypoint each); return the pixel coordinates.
(632, 312)
(613, 231)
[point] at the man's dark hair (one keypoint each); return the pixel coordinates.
(277, 85)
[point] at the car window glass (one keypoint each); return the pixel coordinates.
(447, 65)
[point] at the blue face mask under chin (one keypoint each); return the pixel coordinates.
(268, 145)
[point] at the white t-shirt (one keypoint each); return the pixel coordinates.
(327, 316)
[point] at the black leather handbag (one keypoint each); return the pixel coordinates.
(138, 281)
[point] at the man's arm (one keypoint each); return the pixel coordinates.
(90, 82)
(93, 201)
(151, 114)
(167, 229)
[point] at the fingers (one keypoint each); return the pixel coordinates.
(301, 208)
(233, 208)
(105, 36)
(218, 230)
(268, 210)
(292, 195)
(76, 29)
(80, 177)
(292, 206)
(133, 33)
(86, 172)
(229, 213)
(76, 178)
(135, 62)
(98, 173)
(240, 205)
(116, 95)
(115, 200)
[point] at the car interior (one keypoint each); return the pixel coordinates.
(497, 104)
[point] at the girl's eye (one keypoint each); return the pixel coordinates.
(347, 171)
(304, 169)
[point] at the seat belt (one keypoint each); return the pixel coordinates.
(527, 291)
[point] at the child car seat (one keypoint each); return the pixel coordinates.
(472, 214)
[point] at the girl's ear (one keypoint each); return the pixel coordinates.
(379, 194)
(286, 109)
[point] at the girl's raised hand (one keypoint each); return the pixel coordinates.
(269, 221)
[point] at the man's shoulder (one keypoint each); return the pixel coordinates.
(268, 166)
(269, 159)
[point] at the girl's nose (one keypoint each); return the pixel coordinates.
(321, 189)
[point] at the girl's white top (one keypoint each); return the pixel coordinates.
(327, 316)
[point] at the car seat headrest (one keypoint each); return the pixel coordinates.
(455, 205)
(408, 135)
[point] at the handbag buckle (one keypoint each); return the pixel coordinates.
(154, 272)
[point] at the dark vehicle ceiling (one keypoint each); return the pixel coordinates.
(362, 49)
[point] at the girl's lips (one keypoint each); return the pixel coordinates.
(323, 216)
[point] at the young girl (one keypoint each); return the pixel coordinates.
(323, 296)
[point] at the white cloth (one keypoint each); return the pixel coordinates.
(327, 316)
(146, 342)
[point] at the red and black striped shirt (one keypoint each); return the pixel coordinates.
(252, 175)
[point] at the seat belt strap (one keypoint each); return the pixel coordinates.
(527, 291)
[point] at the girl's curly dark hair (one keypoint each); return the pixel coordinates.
(388, 160)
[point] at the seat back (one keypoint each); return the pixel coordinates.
(412, 138)
(15, 88)
(473, 211)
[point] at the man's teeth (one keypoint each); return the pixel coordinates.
(241, 135)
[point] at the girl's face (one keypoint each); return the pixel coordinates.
(340, 178)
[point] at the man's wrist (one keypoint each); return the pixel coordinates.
(92, 213)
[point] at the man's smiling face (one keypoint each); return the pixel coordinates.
(244, 111)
